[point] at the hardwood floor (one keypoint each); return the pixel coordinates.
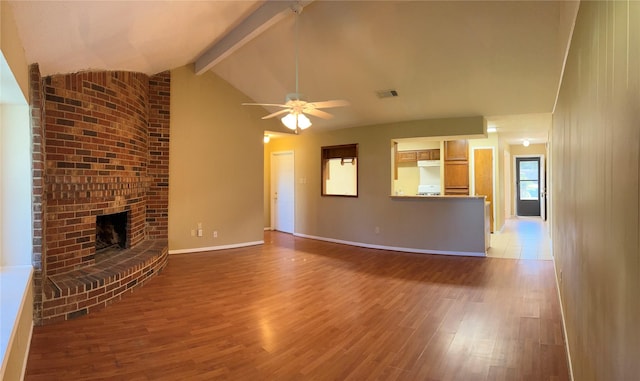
(299, 309)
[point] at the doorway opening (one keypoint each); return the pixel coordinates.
(282, 191)
(528, 186)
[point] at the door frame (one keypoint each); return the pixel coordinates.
(541, 179)
(272, 188)
(472, 177)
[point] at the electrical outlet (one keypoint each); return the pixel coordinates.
(199, 232)
(215, 234)
(377, 230)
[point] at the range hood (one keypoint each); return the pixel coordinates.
(428, 163)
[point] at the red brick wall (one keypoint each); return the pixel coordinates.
(158, 169)
(97, 158)
(38, 204)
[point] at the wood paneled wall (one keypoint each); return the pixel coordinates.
(595, 191)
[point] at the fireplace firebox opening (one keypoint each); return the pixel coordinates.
(111, 231)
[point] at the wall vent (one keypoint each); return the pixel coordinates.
(387, 93)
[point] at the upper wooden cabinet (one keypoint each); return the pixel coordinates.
(406, 157)
(429, 154)
(456, 167)
(456, 150)
(413, 156)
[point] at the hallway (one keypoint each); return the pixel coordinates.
(522, 238)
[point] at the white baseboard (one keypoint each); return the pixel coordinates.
(395, 248)
(215, 248)
(268, 228)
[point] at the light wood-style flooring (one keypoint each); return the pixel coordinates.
(300, 309)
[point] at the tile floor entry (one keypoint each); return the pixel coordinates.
(522, 238)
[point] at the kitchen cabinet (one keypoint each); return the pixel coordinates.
(429, 154)
(456, 177)
(406, 157)
(456, 167)
(456, 150)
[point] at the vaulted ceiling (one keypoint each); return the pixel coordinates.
(499, 59)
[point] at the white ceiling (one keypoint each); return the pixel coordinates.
(499, 59)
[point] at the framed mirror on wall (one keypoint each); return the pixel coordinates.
(340, 170)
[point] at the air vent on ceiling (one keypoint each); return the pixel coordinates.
(387, 93)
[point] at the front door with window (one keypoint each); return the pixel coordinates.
(528, 186)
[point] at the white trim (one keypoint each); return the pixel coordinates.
(564, 323)
(394, 248)
(565, 58)
(268, 228)
(216, 248)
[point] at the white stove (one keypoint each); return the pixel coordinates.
(428, 190)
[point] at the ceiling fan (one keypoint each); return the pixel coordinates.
(296, 106)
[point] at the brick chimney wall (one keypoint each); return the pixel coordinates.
(100, 146)
(97, 154)
(158, 168)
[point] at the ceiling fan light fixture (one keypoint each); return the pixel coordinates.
(295, 106)
(303, 121)
(525, 142)
(295, 121)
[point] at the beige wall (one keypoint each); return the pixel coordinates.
(491, 141)
(356, 219)
(216, 166)
(533, 149)
(408, 179)
(266, 191)
(595, 168)
(12, 49)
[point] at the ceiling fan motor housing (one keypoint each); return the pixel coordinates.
(295, 97)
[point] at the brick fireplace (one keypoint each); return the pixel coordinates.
(102, 140)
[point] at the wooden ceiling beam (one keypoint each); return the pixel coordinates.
(267, 15)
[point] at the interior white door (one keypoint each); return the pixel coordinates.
(282, 191)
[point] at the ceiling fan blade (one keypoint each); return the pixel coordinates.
(318, 113)
(276, 114)
(264, 104)
(330, 104)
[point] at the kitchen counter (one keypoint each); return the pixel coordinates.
(445, 224)
(417, 196)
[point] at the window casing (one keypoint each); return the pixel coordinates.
(340, 170)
